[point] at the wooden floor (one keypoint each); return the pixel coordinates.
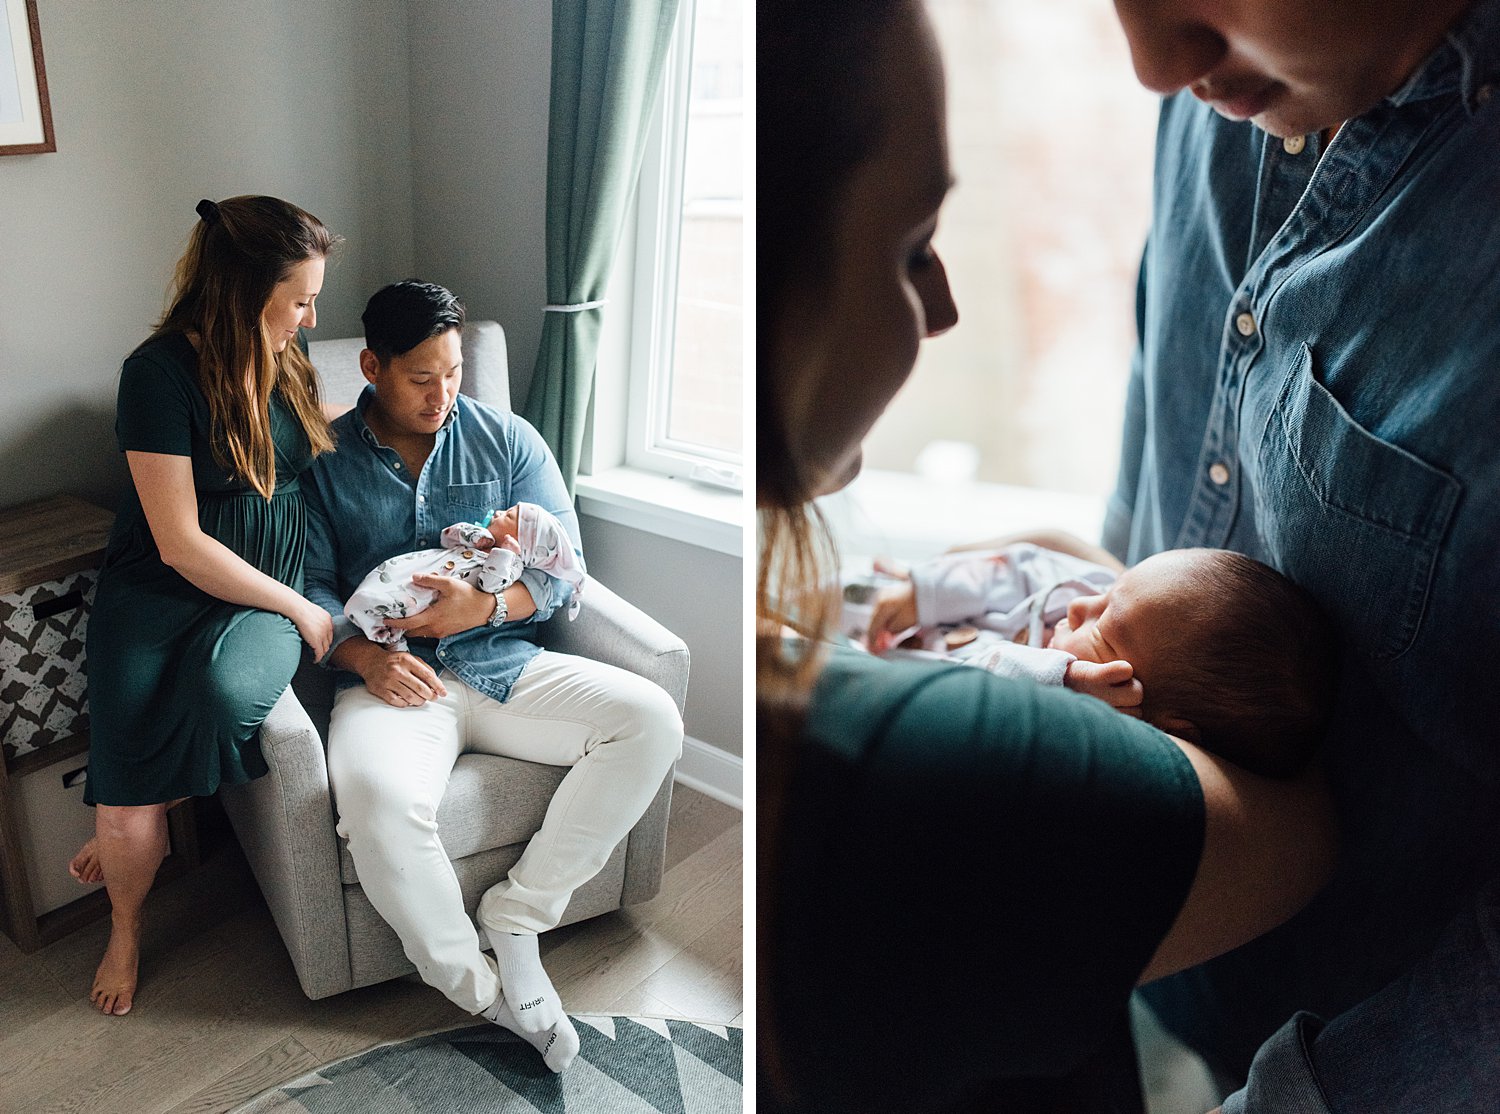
(220, 1017)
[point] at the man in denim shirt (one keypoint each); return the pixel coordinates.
(1318, 385)
(413, 457)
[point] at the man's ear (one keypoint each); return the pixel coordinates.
(369, 364)
(1180, 726)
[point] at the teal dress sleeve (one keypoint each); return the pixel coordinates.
(154, 407)
(970, 877)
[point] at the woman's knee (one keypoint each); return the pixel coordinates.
(250, 668)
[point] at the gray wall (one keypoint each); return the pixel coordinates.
(697, 594)
(480, 84)
(157, 103)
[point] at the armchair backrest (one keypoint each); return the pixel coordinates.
(486, 368)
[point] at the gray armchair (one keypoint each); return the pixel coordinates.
(285, 820)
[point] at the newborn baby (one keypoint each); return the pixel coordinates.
(490, 555)
(1221, 649)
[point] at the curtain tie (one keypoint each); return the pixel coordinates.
(576, 307)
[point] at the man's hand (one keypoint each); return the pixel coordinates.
(459, 607)
(895, 611)
(400, 679)
(1112, 682)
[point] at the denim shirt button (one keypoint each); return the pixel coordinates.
(1219, 473)
(1245, 324)
(1293, 144)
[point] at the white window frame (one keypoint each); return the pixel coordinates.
(648, 267)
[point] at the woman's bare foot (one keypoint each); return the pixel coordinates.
(114, 982)
(85, 865)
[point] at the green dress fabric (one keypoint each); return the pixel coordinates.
(179, 680)
(970, 876)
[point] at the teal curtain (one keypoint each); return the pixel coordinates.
(607, 61)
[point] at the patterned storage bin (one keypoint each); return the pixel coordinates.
(43, 684)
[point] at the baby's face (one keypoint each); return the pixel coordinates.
(1133, 620)
(506, 523)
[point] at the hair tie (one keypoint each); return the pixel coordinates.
(208, 211)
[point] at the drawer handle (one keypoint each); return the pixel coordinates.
(75, 777)
(65, 602)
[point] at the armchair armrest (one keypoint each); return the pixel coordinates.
(285, 824)
(616, 632)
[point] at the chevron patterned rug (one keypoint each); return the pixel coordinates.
(627, 1065)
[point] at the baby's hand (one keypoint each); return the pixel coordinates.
(1112, 682)
(895, 611)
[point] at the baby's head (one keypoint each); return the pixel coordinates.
(506, 523)
(1230, 653)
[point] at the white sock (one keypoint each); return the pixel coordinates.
(558, 1045)
(534, 1001)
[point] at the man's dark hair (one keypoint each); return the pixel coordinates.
(1256, 666)
(402, 315)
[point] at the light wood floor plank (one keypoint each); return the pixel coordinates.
(284, 1060)
(220, 1015)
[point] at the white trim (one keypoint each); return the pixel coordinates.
(713, 772)
(667, 507)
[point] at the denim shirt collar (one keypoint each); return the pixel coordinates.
(1466, 62)
(367, 396)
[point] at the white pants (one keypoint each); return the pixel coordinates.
(389, 768)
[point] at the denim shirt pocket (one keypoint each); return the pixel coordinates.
(1356, 520)
(472, 502)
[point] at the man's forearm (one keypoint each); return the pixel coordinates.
(354, 654)
(518, 603)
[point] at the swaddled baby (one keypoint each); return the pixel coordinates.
(490, 555)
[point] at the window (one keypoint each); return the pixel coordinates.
(686, 321)
(1052, 141)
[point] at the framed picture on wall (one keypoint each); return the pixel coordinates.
(25, 111)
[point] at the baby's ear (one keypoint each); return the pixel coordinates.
(1180, 726)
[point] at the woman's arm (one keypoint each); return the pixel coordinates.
(164, 483)
(1268, 846)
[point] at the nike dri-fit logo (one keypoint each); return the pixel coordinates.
(533, 1002)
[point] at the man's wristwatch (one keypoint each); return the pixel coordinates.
(501, 609)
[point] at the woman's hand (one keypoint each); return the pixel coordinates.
(895, 611)
(315, 626)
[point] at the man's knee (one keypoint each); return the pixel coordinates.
(370, 805)
(658, 723)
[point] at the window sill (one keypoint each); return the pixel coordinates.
(667, 507)
(907, 517)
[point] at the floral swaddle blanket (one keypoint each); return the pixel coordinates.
(387, 592)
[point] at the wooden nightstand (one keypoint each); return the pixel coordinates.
(49, 559)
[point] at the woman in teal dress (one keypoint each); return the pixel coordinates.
(199, 619)
(961, 877)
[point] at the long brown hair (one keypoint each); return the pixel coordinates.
(817, 122)
(237, 253)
